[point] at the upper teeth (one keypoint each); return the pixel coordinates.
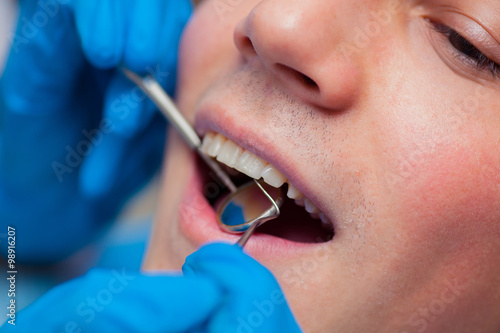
(226, 151)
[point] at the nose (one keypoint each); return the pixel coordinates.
(297, 41)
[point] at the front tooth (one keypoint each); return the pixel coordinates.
(229, 153)
(216, 144)
(310, 207)
(272, 176)
(293, 193)
(206, 141)
(250, 165)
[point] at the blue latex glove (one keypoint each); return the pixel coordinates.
(222, 290)
(252, 300)
(118, 302)
(77, 139)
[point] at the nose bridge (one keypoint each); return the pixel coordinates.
(299, 42)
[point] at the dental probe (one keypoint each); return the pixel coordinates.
(167, 107)
(155, 92)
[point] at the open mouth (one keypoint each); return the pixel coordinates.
(300, 219)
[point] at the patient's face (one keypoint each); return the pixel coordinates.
(385, 116)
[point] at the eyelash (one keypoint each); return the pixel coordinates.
(468, 50)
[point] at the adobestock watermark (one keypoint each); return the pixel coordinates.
(29, 27)
(89, 308)
(425, 315)
(373, 28)
(120, 109)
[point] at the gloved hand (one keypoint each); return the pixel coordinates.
(118, 302)
(222, 290)
(76, 137)
(252, 300)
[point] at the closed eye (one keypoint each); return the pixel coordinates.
(467, 50)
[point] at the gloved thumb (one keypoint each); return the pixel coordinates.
(253, 298)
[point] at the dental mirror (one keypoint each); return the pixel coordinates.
(246, 207)
(249, 207)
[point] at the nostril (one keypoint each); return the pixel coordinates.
(246, 46)
(308, 81)
(298, 76)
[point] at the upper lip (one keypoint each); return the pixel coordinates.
(219, 120)
(205, 121)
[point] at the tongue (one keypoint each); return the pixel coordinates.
(295, 224)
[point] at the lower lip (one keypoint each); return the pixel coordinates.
(198, 222)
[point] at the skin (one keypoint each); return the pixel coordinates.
(397, 141)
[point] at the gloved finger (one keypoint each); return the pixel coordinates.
(126, 107)
(120, 301)
(136, 158)
(230, 266)
(45, 56)
(151, 48)
(155, 30)
(146, 46)
(253, 298)
(102, 27)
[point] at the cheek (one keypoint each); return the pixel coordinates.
(205, 49)
(453, 195)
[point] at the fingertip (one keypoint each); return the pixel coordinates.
(156, 41)
(229, 266)
(220, 249)
(214, 252)
(101, 28)
(187, 270)
(143, 48)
